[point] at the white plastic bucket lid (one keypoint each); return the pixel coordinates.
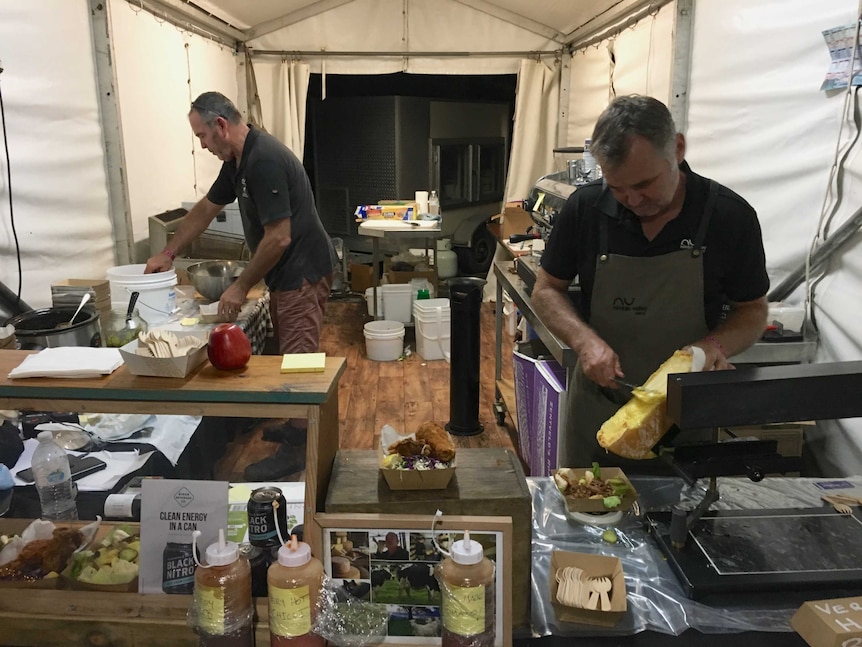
(134, 274)
(384, 329)
(430, 305)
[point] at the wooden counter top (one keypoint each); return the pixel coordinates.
(260, 383)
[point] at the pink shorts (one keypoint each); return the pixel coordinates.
(297, 315)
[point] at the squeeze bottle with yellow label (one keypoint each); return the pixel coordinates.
(468, 611)
(222, 602)
(294, 583)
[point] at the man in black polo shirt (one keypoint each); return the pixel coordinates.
(665, 259)
(291, 250)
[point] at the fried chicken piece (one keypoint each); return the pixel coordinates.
(409, 447)
(41, 556)
(438, 440)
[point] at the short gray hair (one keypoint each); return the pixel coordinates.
(211, 105)
(630, 116)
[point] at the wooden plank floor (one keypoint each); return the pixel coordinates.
(403, 394)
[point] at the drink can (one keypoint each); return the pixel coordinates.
(263, 515)
(178, 575)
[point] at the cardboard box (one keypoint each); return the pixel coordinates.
(388, 210)
(593, 566)
(597, 505)
(790, 437)
(513, 220)
(361, 277)
(418, 479)
(830, 623)
(540, 400)
(163, 366)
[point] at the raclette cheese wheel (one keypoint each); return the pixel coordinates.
(641, 422)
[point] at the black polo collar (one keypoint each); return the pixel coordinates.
(250, 139)
(609, 206)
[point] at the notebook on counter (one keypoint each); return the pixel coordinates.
(303, 363)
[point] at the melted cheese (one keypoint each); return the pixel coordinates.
(640, 423)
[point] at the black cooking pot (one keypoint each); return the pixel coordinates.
(46, 328)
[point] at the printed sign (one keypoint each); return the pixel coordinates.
(171, 510)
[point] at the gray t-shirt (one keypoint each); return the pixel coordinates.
(271, 184)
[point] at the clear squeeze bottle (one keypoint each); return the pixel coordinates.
(222, 604)
(294, 583)
(468, 611)
(53, 478)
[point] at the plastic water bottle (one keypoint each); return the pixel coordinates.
(433, 204)
(591, 166)
(53, 479)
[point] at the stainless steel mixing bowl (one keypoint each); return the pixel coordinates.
(212, 278)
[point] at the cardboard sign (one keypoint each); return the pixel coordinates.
(171, 510)
(830, 623)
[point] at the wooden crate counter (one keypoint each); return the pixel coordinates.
(259, 390)
(487, 482)
(63, 616)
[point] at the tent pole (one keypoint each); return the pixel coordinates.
(112, 134)
(681, 66)
(563, 112)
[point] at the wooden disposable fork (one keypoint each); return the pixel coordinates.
(840, 508)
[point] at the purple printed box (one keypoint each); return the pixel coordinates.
(540, 392)
(550, 387)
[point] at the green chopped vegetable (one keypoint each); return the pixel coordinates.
(610, 536)
(620, 487)
(597, 471)
(612, 502)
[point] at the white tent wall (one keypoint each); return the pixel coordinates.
(56, 160)
(442, 25)
(160, 70)
(756, 121)
(759, 123)
(641, 64)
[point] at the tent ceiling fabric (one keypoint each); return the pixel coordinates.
(558, 20)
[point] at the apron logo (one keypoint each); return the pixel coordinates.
(688, 243)
(627, 304)
(244, 188)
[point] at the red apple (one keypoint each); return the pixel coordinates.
(228, 347)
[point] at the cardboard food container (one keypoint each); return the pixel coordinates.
(597, 505)
(54, 581)
(399, 479)
(418, 479)
(829, 623)
(593, 566)
(77, 585)
(180, 366)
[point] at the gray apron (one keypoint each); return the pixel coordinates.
(645, 308)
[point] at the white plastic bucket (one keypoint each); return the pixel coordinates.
(157, 298)
(369, 302)
(397, 302)
(384, 340)
(433, 328)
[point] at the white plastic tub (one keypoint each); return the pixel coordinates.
(397, 301)
(384, 340)
(157, 298)
(369, 302)
(433, 328)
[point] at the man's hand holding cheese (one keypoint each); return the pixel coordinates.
(666, 259)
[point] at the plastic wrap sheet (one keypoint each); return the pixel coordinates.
(656, 602)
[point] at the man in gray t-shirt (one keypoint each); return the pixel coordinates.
(291, 251)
